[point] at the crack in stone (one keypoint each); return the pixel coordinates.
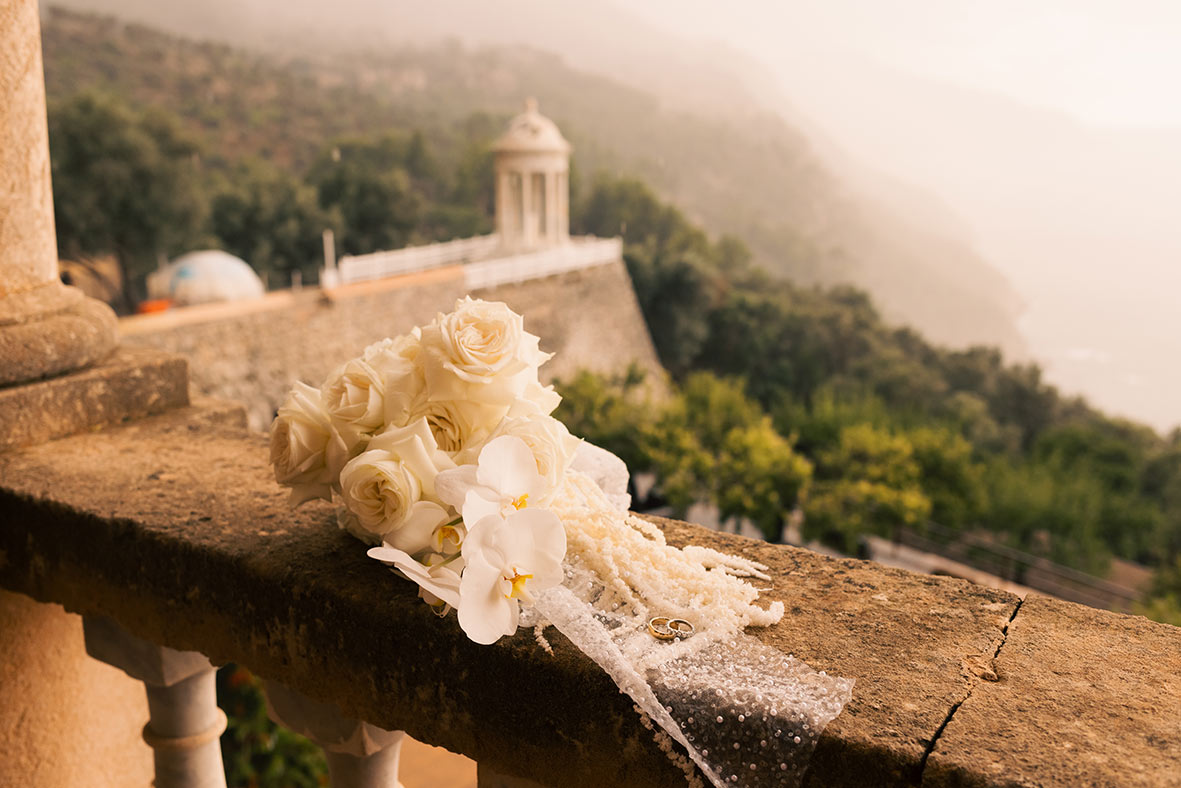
(918, 779)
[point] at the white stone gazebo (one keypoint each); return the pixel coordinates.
(532, 183)
(532, 229)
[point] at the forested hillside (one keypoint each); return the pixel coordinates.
(746, 174)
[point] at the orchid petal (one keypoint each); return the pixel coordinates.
(479, 503)
(451, 486)
(486, 614)
(420, 524)
(442, 586)
(507, 466)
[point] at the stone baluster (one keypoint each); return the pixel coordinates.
(185, 723)
(359, 755)
(46, 328)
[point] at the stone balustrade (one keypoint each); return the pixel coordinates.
(171, 527)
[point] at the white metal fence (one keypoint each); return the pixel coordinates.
(481, 268)
(379, 265)
(580, 253)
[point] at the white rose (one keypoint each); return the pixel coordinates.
(459, 423)
(535, 400)
(425, 526)
(375, 389)
(479, 352)
(380, 492)
(552, 446)
(415, 447)
(306, 452)
(398, 361)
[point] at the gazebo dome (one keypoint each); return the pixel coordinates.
(206, 276)
(532, 132)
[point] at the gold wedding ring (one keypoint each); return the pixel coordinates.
(658, 628)
(665, 628)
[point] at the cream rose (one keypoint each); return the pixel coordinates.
(380, 492)
(480, 351)
(535, 400)
(416, 448)
(374, 390)
(306, 452)
(457, 424)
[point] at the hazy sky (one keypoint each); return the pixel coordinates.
(1107, 61)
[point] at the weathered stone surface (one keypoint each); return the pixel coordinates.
(128, 384)
(56, 342)
(173, 527)
(907, 639)
(1080, 697)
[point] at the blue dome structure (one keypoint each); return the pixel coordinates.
(204, 277)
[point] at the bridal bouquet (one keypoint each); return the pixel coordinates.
(439, 448)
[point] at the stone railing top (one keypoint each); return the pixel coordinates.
(173, 527)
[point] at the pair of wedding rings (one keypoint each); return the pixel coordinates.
(665, 628)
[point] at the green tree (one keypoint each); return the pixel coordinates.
(615, 413)
(1163, 601)
(125, 183)
(367, 184)
(256, 751)
(671, 263)
(949, 475)
(759, 476)
(270, 219)
(868, 483)
(1044, 509)
(839, 512)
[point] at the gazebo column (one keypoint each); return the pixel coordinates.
(553, 208)
(563, 195)
(46, 328)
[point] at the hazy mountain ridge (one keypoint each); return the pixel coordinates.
(1081, 217)
(744, 172)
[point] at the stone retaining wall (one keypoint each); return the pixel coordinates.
(251, 352)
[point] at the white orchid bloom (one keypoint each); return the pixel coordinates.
(421, 529)
(503, 480)
(438, 584)
(447, 539)
(509, 561)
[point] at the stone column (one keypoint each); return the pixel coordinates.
(45, 327)
(359, 755)
(185, 724)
